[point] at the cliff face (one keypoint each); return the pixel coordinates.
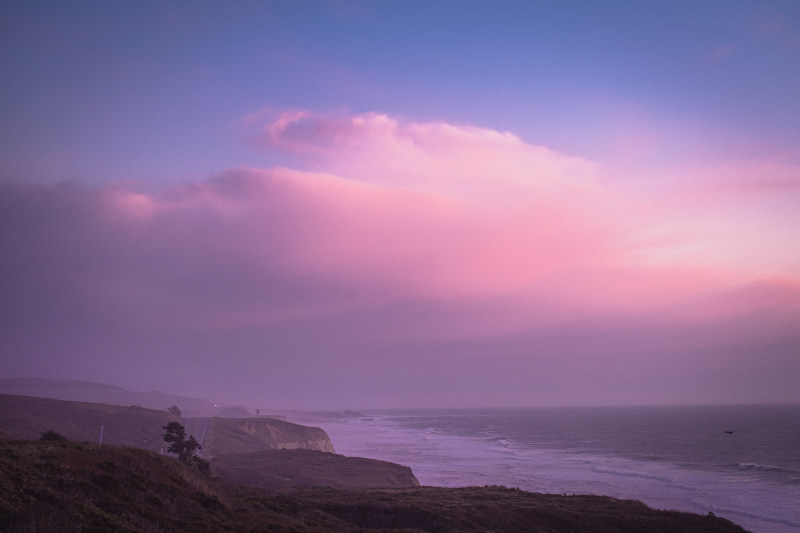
(294, 468)
(242, 435)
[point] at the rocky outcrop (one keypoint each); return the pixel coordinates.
(244, 435)
(309, 468)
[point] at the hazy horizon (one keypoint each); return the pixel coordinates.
(264, 408)
(396, 204)
(232, 401)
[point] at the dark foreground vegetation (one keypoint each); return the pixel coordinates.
(56, 485)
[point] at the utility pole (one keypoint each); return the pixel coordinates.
(101, 434)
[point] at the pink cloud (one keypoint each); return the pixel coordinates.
(522, 199)
(737, 217)
(436, 239)
(435, 210)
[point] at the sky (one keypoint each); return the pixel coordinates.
(356, 204)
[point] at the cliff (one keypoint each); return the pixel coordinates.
(242, 435)
(292, 468)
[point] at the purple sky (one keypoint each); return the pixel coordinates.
(393, 204)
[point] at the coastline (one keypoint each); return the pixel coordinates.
(742, 494)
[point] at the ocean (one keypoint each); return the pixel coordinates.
(739, 462)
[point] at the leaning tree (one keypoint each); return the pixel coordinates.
(184, 448)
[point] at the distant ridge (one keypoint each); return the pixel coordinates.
(87, 391)
(28, 417)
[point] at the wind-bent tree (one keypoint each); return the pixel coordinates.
(185, 448)
(178, 444)
(175, 410)
(190, 448)
(176, 437)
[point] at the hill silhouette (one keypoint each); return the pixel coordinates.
(26, 417)
(90, 392)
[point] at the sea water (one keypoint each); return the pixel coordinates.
(738, 462)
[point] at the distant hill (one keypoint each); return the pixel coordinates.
(86, 391)
(67, 486)
(26, 417)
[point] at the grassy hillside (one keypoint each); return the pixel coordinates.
(25, 417)
(82, 487)
(292, 468)
(66, 486)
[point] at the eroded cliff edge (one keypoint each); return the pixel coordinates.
(271, 453)
(242, 435)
